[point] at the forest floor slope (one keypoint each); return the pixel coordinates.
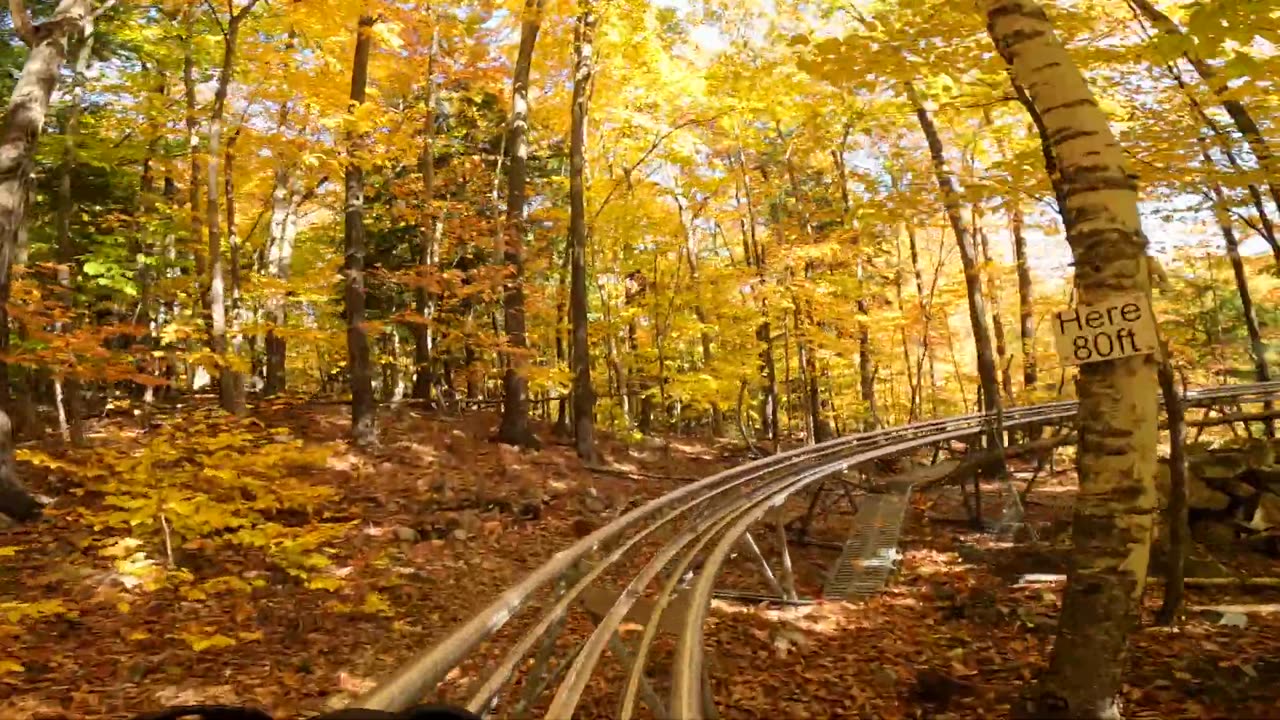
(413, 537)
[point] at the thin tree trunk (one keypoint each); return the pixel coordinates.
(236, 320)
(997, 318)
(926, 313)
(561, 427)
(194, 205)
(363, 404)
(764, 332)
(699, 312)
(1257, 348)
(230, 381)
(584, 401)
(281, 232)
(1112, 525)
(788, 394)
(968, 257)
(429, 237)
(1179, 539)
(866, 362)
(768, 371)
(144, 249)
(1026, 312)
(514, 428)
(70, 404)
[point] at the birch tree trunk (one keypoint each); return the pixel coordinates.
(192, 123)
(23, 121)
(1114, 511)
(584, 400)
(281, 232)
(514, 428)
(363, 403)
(231, 389)
(429, 240)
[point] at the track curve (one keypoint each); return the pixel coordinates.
(717, 512)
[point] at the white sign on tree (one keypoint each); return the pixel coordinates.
(1122, 326)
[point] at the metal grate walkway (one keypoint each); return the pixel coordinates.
(871, 554)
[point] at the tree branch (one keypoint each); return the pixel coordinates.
(214, 12)
(238, 16)
(22, 26)
(653, 147)
(105, 7)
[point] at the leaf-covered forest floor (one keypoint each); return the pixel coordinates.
(438, 520)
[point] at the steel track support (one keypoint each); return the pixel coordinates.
(813, 505)
(765, 570)
(788, 574)
(647, 694)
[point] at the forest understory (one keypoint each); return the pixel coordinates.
(439, 519)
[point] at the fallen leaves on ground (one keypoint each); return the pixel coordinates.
(439, 519)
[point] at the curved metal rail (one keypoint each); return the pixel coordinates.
(715, 512)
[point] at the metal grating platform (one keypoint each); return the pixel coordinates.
(871, 554)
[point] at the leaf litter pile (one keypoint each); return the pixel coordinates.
(263, 561)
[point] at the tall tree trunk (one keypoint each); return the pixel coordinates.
(236, 307)
(561, 427)
(997, 318)
(913, 381)
(1112, 525)
(363, 404)
(1026, 312)
(1179, 534)
(142, 248)
(429, 236)
(514, 428)
(968, 257)
(584, 401)
(926, 313)
(866, 362)
(230, 381)
(764, 332)
(1235, 109)
(281, 232)
(699, 312)
(813, 393)
(769, 373)
(72, 411)
(195, 183)
(23, 121)
(1222, 213)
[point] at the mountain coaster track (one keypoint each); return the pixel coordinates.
(689, 533)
